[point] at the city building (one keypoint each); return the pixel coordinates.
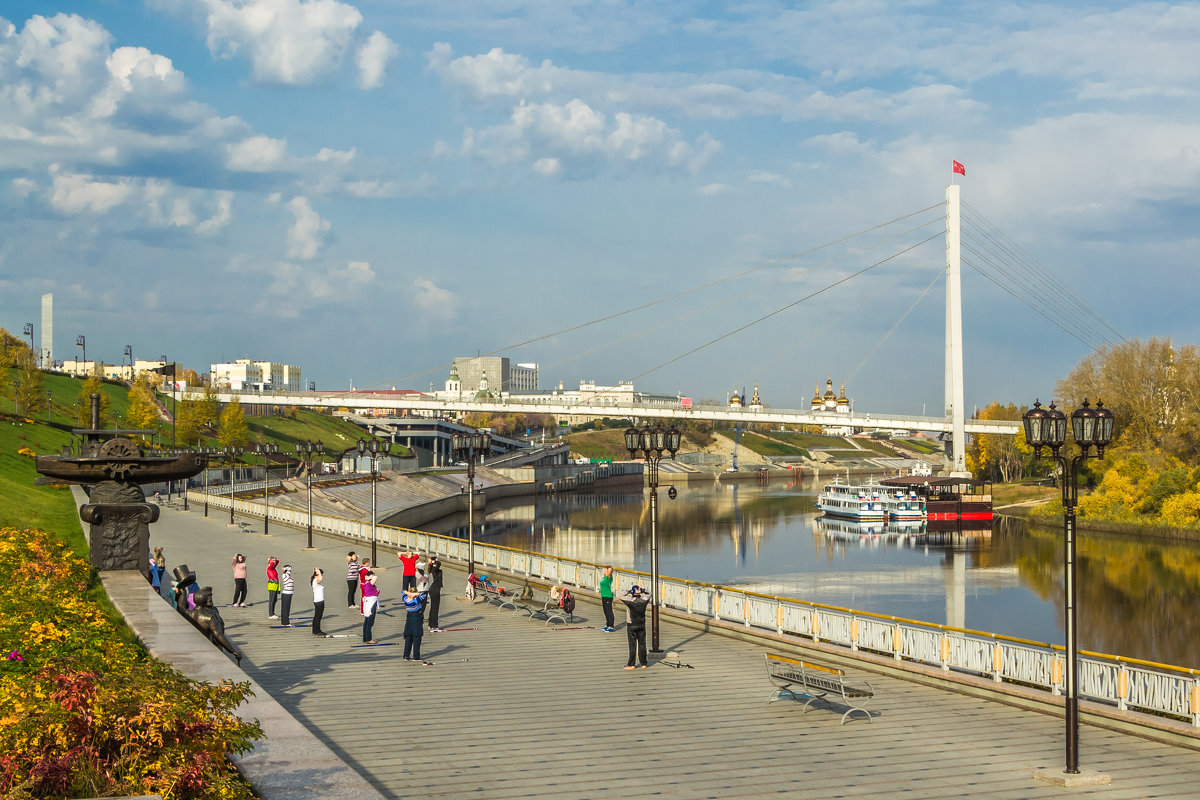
(493, 374)
(257, 376)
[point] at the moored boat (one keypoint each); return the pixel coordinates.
(862, 503)
(947, 499)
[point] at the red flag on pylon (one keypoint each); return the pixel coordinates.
(959, 168)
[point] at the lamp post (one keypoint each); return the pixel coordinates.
(232, 453)
(81, 341)
(651, 444)
(185, 480)
(306, 449)
(128, 353)
(265, 449)
(174, 404)
(1047, 427)
(208, 451)
(468, 447)
(27, 330)
(363, 448)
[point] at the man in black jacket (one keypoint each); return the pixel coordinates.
(636, 599)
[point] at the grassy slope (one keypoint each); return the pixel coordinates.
(23, 505)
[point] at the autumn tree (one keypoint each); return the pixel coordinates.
(143, 410)
(995, 455)
(30, 392)
(187, 420)
(233, 429)
(83, 407)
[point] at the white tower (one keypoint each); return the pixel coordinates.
(46, 354)
(954, 340)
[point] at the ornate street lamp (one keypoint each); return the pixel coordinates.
(232, 454)
(651, 443)
(27, 330)
(208, 451)
(81, 341)
(265, 449)
(468, 447)
(306, 449)
(1047, 427)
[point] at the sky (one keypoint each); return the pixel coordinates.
(371, 189)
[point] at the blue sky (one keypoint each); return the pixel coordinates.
(370, 189)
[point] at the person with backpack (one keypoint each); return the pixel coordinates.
(606, 599)
(636, 599)
(567, 602)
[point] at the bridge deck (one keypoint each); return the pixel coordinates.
(516, 709)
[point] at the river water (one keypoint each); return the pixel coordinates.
(1137, 597)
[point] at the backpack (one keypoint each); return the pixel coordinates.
(567, 602)
(526, 594)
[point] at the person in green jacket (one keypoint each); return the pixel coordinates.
(606, 599)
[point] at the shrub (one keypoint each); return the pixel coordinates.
(84, 711)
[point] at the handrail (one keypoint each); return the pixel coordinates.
(1120, 681)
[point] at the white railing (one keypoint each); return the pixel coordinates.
(1127, 684)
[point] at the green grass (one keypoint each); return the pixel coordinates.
(23, 505)
(606, 443)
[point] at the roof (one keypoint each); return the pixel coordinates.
(930, 480)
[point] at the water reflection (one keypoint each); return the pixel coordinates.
(1136, 597)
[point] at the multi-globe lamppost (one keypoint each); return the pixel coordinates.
(373, 447)
(469, 447)
(1047, 427)
(207, 451)
(266, 450)
(305, 451)
(651, 444)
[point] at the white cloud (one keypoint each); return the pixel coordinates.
(434, 302)
(221, 216)
(305, 236)
(712, 189)
(291, 42)
(373, 59)
(255, 154)
(761, 176)
(576, 138)
(23, 187)
(337, 156)
(78, 194)
(136, 72)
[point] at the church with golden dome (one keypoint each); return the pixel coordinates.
(832, 403)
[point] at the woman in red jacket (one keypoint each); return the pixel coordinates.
(272, 586)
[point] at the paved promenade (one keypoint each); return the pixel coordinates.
(512, 708)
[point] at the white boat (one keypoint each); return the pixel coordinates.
(904, 505)
(861, 503)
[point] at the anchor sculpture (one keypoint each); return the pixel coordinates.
(115, 467)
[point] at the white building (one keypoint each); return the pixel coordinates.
(833, 403)
(246, 375)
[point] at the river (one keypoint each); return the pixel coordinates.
(1138, 597)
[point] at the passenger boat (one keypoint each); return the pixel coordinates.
(860, 503)
(904, 505)
(947, 500)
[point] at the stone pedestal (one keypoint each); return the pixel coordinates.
(120, 534)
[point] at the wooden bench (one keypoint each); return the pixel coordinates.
(803, 679)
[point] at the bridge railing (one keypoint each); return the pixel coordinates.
(1125, 683)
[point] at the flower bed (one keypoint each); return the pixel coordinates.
(84, 710)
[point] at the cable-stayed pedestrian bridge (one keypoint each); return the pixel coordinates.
(647, 410)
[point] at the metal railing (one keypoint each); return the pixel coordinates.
(1127, 684)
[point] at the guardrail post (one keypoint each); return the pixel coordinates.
(717, 606)
(778, 616)
(945, 652)
(997, 661)
(1196, 702)
(689, 599)
(897, 641)
(1122, 688)
(815, 626)
(854, 633)
(1056, 676)
(746, 609)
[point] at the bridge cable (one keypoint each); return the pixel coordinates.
(892, 330)
(761, 368)
(726, 300)
(1007, 245)
(778, 311)
(659, 301)
(1066, 306)
(1006, 251)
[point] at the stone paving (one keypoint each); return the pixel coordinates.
(513, 708)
